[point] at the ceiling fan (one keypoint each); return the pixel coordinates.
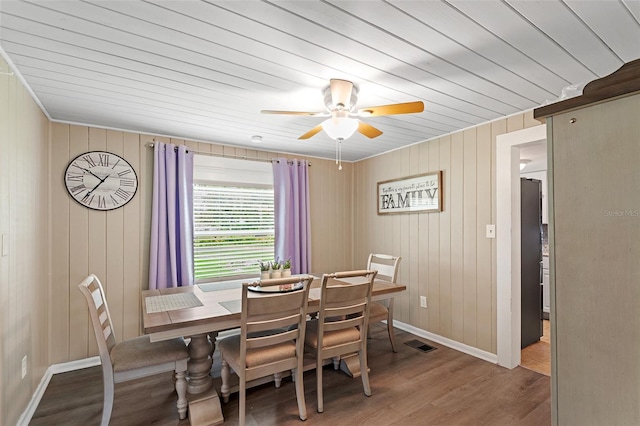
(340, 98)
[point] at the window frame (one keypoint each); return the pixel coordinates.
(218, 171)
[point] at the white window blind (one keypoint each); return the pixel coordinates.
(233, 226)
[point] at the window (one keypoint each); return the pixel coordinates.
(233, 217)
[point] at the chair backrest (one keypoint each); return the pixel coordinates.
(344, 303)
(93, 292)
(272, 318)
(387, 266)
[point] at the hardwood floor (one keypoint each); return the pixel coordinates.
(441, 387)
(537, 357)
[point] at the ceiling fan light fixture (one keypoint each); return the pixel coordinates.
(340, 98)
(340, 127)
(256, 138)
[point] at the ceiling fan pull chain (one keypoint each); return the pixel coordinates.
(340, 153)
(336, 151)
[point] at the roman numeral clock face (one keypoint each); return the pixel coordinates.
(101, 180)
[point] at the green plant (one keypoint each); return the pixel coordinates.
(276, 264)
(287, 264)
(264, 266)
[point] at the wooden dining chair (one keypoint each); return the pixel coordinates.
(271, 338)
(341, 326)
(133, 358)
(387, 267)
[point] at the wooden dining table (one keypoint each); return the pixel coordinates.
(199, 312)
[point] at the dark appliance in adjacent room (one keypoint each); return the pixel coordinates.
(531, 253)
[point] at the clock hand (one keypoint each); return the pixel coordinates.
(87, 170)
(95, 187)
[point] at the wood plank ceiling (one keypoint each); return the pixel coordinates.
(203, 70)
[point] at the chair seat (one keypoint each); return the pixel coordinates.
(140, 352)
(377, 312)
(330, 338)
(230, 346)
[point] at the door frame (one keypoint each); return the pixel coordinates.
(508, 240)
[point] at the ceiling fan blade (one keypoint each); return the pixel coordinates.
(311, 132)
(307, 113)
(341, 92)
(404, 108)
(368, 130)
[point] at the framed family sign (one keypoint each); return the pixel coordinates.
(418, 193)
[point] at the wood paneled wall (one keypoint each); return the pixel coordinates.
(114, 245)
(24, 264)
(445, 256)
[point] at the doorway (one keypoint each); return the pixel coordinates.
(508, 240)
(537, 355)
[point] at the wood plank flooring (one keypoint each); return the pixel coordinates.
(441, 387)
(537, 356)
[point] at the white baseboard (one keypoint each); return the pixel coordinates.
(26, 416)
(469, 350)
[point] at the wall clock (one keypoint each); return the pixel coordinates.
(101, 180)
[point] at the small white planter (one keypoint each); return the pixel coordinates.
(276, 273)
(265, 275)
(286, 272)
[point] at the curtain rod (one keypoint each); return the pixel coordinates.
(240, 157)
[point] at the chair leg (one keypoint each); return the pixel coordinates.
(319, 383)
(181, 390)
(107, 405)
(243, 402)
(277, 378)
(364, 372)
(302, 407)
(225, 375)
(392, 336)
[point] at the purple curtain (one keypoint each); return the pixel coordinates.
(171, 251)
(292, 215)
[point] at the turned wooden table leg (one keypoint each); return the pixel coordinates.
(204, 404)
(199, 365)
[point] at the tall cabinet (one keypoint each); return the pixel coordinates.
(594, 228)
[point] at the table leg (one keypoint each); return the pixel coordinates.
(350, 364)
(199, 364)
(204, 404)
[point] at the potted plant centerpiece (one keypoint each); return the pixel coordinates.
(286, 268)
(264, 269)
(276, 268)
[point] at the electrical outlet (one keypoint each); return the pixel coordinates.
(24, 366)
(423, 302)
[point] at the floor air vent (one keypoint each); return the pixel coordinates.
(421, 346)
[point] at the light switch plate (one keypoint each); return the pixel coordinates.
(491, 231)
